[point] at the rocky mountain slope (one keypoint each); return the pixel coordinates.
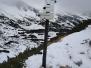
(21, 28)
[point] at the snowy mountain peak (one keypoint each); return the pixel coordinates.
(16, 9)
(21, 8)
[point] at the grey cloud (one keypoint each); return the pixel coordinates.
(79, 6)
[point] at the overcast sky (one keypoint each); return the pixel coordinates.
(79, 6)
(75, 5)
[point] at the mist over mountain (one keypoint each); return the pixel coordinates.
(71, 6)
(76, 6)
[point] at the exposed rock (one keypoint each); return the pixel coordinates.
(79, 63)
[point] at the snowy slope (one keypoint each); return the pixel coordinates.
(23, 8)
(16, 9)
(19, 9)
(12, 42)
(18, 15)
(73, 51)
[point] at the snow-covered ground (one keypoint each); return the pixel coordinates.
(12, 44)
(73, 51)
(25, 11)
(33, 27)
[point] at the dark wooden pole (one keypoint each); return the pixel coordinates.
(45, 43)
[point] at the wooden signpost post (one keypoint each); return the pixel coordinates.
(47, 14)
